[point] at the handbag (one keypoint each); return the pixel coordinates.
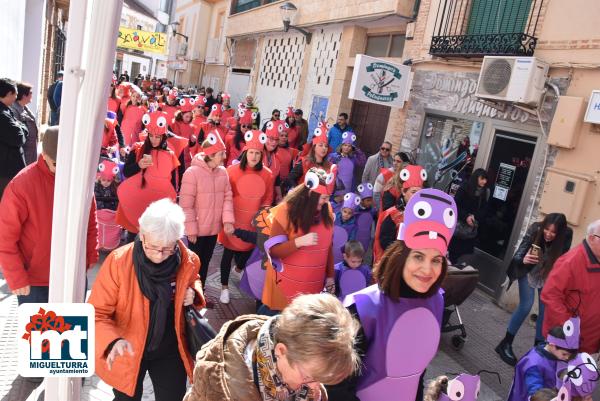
(465, 231)
(198, 331)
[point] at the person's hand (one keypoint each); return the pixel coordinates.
(145, 162)
(22, 291)
(228, 228)
(118, 349)
(190, 294)
(123, 152)
(192, 238)
(471, 220)
(309, 239)
(330, 285)
(530, 259)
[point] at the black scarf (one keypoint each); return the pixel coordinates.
(155, 282)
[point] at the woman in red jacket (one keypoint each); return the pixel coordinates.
(292, 130)
(270, 155)
(234, 144)
(252, 187)
(206, 199)
(149, 169)
(182, 126)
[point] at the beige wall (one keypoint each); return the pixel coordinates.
(313, 12)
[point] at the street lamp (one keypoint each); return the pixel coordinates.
(288, 10)
(174, 26)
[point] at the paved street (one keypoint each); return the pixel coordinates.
(485, 325)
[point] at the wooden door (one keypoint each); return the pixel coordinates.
(370, 122)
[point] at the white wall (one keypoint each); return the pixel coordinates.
(35, 15)
(144, 62)
(12, 32)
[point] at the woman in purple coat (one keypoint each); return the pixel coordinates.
(401, 315)
(347, 158)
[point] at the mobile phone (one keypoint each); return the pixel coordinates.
(534, 250)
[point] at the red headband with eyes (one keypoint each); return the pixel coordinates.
(313, 181)
(156, 122)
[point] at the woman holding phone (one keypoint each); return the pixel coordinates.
(543, 243)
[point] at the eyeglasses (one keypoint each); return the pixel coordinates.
(595, 235)
(384, 149)
(163, 251)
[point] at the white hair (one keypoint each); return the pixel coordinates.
(163, 220)
(593, 227)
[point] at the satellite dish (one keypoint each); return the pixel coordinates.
(162, 17)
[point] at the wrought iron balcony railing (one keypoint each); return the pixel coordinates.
(477, 28)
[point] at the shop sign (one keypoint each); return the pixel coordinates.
(504, 179)
(137, 39)
(592, 115)
(464, 102)
(379, 81)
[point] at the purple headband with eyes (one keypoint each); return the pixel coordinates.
(348, 137)
(571, 330)
(582, 372)
(365, 190)
(351, 201)
(464, 387)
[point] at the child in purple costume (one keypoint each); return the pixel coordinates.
(353, 258)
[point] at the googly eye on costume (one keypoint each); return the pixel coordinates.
(311, 180)
(568, 328)
(456, 390)
(192, 101)
(204, 100)
(345, 135)
(241, 113)
(404, 174)
(449, 217)
(424, 174)
(357, 201)
(182, 102)
(280, 128)
(330, 178)
(575, 375)
(422, 210)
(161, 122)
(347, 196)
(248, 136)
(262, 138)
(369, 185)
(320, 124)
(270, 125)
(353, 138)
(146, 119)
(115, 170)
(317, 132)
(360, 188)
(287, 126)
(101, 167)
(328, 125)
(211, 138)
(590, 362)
(254, 115)
(214, 107)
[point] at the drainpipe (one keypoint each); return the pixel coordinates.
(90, 50)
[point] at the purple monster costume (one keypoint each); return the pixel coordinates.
(349, 280)
(364, 217)
(582, 373)
(463, 387)
(404, 334)
(346, 164)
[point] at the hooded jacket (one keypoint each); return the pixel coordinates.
(206, 198)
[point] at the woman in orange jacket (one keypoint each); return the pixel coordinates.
(299, 244)
(139, 297)
(252, 187)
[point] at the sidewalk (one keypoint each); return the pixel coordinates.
(485, 322)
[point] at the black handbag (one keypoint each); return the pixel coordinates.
(198, 331)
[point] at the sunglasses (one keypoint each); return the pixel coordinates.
(385, 149)
(246, 126)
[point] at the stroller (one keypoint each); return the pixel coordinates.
(459, 283)
(109, 232)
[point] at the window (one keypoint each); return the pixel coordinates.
(390, 45)
(238, 6)
(500, 16)
(139, 27)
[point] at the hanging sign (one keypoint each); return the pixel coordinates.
(504, 179)
(592, 114)
(137, 39)
(379, 81)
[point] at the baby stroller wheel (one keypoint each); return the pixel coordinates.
(458, 342)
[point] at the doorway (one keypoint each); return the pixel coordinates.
(370, 123)
(135, 70)
(509, 170)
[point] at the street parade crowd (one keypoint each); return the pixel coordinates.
(346, 255)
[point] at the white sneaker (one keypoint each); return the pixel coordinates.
(224, 296)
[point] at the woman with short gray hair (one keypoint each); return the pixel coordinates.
(139, 296)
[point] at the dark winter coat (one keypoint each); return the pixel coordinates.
(13, 135)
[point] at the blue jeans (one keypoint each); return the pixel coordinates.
(266, 311)
(526, 298)
(54, 117)
(36, 295)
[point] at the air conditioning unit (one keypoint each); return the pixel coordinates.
(512, 79)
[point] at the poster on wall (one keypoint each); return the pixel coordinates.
(379, 81)
(504, 179)
(154, 42)
(318, 110)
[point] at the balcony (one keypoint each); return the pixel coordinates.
(477, 28)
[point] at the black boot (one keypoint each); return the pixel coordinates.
(505, 351)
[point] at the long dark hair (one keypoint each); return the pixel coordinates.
(244, 162)
(552, 250)
(291, 124)
(388, 272)
(302, 207)
(238, 139)
(472, 184)
(146, 149)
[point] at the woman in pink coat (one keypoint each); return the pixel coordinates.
(206, 199)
